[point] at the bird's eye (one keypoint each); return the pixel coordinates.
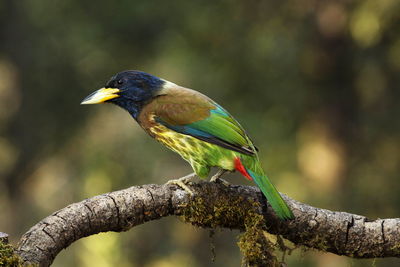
(119, 82)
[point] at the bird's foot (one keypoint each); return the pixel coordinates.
(182, 182)
(217, 178)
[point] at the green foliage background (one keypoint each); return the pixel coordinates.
(315, 83)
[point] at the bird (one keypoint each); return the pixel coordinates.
(191, 124)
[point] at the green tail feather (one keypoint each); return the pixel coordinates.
(270, 192)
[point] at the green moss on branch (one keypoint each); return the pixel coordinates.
(227, 212)
(8, 258)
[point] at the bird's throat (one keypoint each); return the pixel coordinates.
(132, 107)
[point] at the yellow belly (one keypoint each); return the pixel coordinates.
(199, 154)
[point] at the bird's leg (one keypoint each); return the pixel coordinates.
(217, 177)
(181, 182)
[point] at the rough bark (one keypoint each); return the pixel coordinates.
(213, 205)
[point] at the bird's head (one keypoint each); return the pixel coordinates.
(128, 89)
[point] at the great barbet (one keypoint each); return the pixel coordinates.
(192, 125)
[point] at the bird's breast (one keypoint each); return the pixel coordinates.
(193, 150)
(186, 146)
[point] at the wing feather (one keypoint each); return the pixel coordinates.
(191, 113)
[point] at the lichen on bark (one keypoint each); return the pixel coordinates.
(256, 248)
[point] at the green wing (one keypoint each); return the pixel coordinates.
(202, 118)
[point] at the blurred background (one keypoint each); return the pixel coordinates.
(315, 83)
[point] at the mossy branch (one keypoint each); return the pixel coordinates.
(213, 205)
(8, 258)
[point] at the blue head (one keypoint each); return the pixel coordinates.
(130, 90)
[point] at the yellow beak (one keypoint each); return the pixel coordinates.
(100, 96)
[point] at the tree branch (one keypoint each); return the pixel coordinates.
(213, 205)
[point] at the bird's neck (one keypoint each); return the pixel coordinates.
(158, 88)
(132, 107)
(135, 110)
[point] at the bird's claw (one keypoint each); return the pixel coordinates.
(182, 183)
(221, 181)
(217, 178)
